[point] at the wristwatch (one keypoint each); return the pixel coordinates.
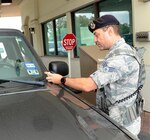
(63, 80)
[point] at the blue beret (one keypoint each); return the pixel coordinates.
(102, 22)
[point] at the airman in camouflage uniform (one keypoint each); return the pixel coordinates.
(118, 76)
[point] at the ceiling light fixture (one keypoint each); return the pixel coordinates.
(6, 2)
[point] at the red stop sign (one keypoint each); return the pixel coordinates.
(69, 42)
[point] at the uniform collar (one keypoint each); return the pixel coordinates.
(117, 44)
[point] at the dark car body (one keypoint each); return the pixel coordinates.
(32, 109)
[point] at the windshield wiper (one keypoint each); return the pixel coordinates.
(41, 83)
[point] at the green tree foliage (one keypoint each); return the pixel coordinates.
(83, 20)
(124, 28)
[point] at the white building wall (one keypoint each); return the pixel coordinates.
(141, 22)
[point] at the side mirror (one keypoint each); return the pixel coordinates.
(59, 67)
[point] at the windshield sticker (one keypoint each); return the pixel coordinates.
(31, 68)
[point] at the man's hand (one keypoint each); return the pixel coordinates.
(53, 78)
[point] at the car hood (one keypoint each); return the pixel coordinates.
(51, 115)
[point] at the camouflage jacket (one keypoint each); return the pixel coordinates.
(118, 75)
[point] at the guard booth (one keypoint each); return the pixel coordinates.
(90, 59)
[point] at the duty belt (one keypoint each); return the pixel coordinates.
(132, 112)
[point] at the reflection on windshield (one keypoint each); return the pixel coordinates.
(16, 60)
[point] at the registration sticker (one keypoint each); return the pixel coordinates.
(31, 68)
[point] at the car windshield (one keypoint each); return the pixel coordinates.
(17, 60)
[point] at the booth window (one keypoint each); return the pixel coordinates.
(84, 37)
(122, 10)
(53, 32)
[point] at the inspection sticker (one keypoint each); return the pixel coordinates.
(31, 68)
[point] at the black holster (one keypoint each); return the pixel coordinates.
(139, 104)
(105, 103)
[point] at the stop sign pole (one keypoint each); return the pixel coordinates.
(69, 43)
